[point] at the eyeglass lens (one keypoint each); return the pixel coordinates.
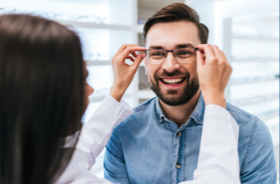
(182, 55)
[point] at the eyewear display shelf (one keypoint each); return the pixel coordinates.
(254, 56)
(102, 25)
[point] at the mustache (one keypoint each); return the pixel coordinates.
(171, 74)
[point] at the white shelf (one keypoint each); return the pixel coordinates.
(97, 63)
(275, 137)
(256, 99)
(268, 114)
(273, 126)
(256, 60)
(259, 38)
(253, 80)
(146, 94)
(94, 25)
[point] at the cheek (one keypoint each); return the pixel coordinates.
(191, 69)
(151, 71)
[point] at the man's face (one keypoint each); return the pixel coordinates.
(174, 83)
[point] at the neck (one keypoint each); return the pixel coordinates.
(181, 113)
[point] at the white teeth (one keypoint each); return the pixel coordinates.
(172, 81)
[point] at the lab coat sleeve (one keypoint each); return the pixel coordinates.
(93, 138)
(218, 161)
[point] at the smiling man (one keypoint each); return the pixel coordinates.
(160, 142)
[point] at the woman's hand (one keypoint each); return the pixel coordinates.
(213, 72)
(124, 73)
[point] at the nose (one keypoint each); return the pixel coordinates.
(170, 64)
(90, 90)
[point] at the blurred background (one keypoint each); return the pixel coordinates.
(246, 30)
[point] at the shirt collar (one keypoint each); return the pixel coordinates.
(197, 114)
(161, 114)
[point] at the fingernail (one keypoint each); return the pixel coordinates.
(143, 55)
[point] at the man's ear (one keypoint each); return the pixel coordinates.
(146, 66)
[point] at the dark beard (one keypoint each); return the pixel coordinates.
(173, 98)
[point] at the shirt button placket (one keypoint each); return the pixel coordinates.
(178, 165)
(176, 149)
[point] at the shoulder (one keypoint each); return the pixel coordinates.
(243, 118)
(239, 113)
(252, 131)
(250, 127)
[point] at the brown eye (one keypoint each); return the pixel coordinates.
(184, 53)
(157, 53)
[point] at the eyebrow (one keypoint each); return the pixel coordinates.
(155, 47)
(184, 45)
(179, 46)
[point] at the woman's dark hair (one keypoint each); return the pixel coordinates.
(177, 12)
(41, 98)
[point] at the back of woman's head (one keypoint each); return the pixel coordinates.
(41, 97)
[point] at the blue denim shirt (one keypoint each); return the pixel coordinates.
(147, 147)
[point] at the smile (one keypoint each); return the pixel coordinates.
(173, 81)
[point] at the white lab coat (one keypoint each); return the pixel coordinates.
(218, 161)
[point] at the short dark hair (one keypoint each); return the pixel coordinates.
(176, 12)
(41, 97)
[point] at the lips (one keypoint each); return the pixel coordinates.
(173, 81)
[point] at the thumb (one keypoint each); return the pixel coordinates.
(138, 60)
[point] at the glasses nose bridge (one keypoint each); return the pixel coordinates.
(172, 51)
(172, 59)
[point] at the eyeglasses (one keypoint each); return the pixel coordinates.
(6, 10)
(182, 55)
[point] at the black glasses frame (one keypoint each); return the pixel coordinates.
(195, 48)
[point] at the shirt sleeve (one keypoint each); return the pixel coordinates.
(94, 137)
(218, 161)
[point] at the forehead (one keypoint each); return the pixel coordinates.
(170, 34)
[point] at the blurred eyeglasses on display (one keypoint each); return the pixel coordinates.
(60, 16)
(74, 18)
(6, 10)
(96, 57)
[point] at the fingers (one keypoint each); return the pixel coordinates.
(220, 55)
(217, 53)
(208, 51)
(134, 54)
(213, 54)
(224, 57)
(130, 58)
(127, 51)
(199, 59)
(124, 46)
(138, 60)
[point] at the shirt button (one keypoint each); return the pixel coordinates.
(178, 166)
(179, 134)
